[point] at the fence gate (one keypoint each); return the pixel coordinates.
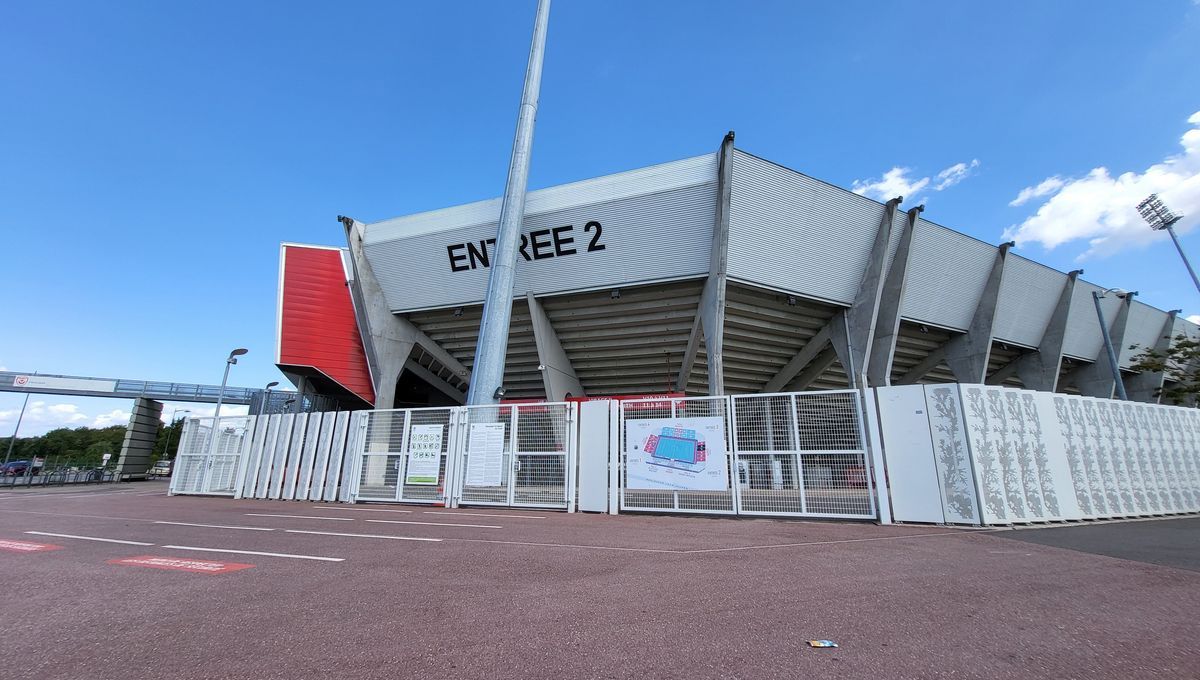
(405, 455)
(675, 456)
(201, 470)
(801, 454)
(519, 455)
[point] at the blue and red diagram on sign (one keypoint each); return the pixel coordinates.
(677, 448)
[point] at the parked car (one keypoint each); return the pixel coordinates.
(15, 468)
(161, 468)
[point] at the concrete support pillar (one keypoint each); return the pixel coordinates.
(967, 355)
(887, 325)
(710, 313)
(388, 340)
(558, 375)
(140, 438)
(1097, 379)
(1144, 386)
(863, 313)
(1039, 370)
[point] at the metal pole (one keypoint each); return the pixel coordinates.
(13, 439)
(263, 404)
(212, 446)
(167, 446)
(1108, 346)
(1186, 263)
(487, 371)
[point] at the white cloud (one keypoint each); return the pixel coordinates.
(113, 417)
(1195, 318)
(955, 174)
(1103, 209)
(899, 182)
(1046, 186)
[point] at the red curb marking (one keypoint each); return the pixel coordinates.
(26, 546)
(178, 564)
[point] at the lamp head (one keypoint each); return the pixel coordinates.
(236, 353)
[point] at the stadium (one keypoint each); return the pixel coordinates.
(720, 274)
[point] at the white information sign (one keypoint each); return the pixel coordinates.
(685, 454)
(485, 455)
(44, 382)
(424, 454)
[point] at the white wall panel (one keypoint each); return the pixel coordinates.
(656, 223)
(913, 481)
(792, 232)
(1028, 295)
(947, 272)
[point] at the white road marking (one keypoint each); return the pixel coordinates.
(254, 552)
(845, 540)
(334, 533)
(566, 545)
(88, 538)
(326, 519)
(332, 507)
(215, 526)
(481, 514)
(434, 524)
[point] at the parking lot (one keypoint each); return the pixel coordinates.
(123, 581)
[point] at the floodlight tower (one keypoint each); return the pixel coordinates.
(1160, 217)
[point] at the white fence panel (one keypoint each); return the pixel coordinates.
(694, 471)
(337, 450)
(1039, 457)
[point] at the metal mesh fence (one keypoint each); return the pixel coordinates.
(776, 454)
(517, 455)
(406, 455)
(675, 455)
(201, 470)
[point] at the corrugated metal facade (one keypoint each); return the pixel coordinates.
(784, 226)
(655, 225)
(798, 248)
(947, 272)
(1028, 295)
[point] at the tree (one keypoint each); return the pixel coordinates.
(1179, 364)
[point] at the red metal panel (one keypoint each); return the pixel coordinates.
(317, 326)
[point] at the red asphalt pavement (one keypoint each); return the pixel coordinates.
(530, 594)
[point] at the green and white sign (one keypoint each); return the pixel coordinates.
(424, 454)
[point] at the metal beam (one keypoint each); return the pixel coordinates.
(1144, 386)
(1096, 379)
(863, 313)
(558, 375)
(1039, 370)
(710, 311)
(887, 324)
(798, 362)
(967, 354)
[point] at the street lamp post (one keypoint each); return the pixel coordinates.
(1108, 345)
(167, 446)
(266, 396)
(212, 448)
(1160, 218)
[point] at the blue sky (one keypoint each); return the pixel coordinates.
(153, 155)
